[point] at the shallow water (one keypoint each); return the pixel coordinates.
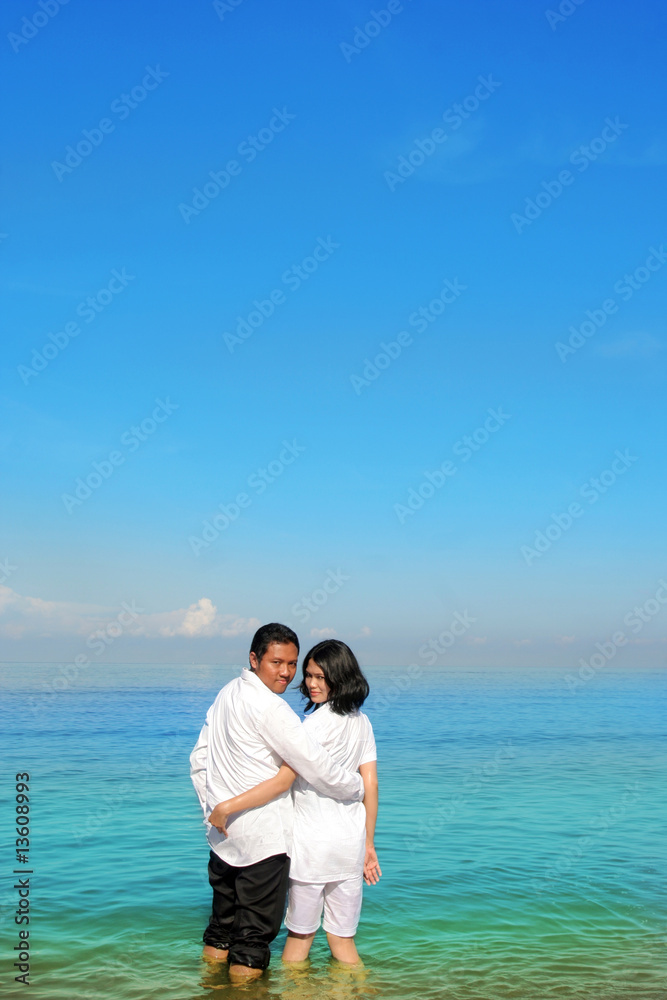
(521, 837)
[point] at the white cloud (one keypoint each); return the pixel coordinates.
(323, 633)
(22, 616)
(199, 620)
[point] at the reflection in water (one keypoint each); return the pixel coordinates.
(326, 980)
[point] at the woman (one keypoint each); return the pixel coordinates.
(333, 841)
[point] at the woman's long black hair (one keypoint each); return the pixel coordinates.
(348, 688)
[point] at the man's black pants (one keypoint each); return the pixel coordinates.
(248, 908)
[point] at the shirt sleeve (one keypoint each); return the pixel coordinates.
(368, 749)
(198, 761)
(284, 733)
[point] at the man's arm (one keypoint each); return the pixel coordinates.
(285, 734)
(198, 761)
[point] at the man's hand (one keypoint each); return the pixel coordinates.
(372, 871)
(219, 817)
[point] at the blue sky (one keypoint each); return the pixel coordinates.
(540, 200)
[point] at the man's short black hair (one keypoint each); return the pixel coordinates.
(274, 632)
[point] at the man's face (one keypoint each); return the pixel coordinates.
(277, 667)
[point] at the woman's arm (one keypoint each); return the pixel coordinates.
(369, 774)
(257, 796)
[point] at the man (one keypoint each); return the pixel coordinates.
(248, 733)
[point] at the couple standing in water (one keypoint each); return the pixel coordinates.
(289, 807)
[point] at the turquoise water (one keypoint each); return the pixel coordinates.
(521, 837)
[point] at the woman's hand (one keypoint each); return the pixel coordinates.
(372, 870)
(219, 817)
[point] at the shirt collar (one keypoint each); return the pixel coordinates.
(250, 677)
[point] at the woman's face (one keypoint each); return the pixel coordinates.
(318, 689)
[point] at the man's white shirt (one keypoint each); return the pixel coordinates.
(248, 733)
(330, 834)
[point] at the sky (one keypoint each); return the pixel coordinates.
(341, 315)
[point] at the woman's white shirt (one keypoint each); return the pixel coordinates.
(330, 835)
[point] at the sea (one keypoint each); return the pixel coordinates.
(521, 837)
